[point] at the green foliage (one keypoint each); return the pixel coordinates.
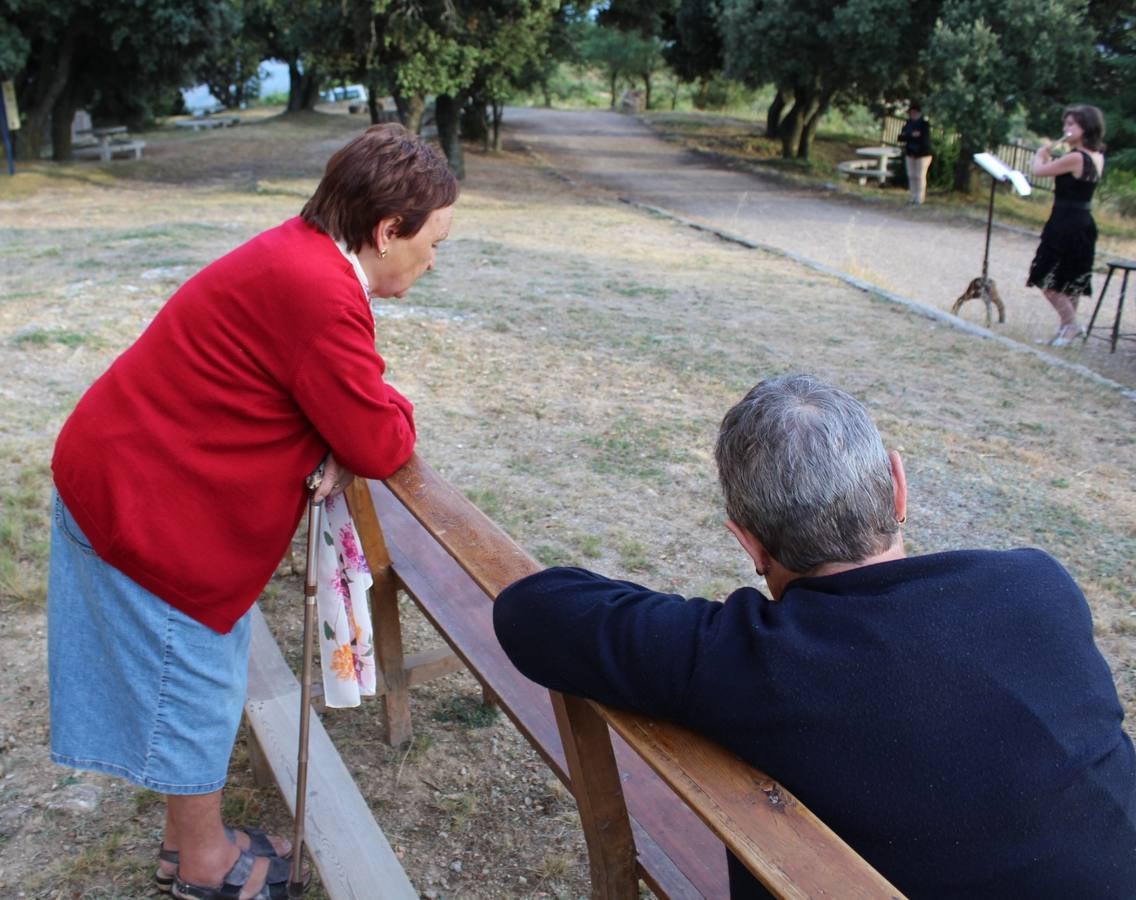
(644, 18)
(720, 93)
(694, 49)
(855, 47)
(622, 56)
(119, 58)
(818, 53)
(230, 65)
(315, 38)
(14, 45)
(1118, 189)
(987, 58)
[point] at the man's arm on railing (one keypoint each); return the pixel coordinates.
(783, 844)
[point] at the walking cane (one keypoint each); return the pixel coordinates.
(296, 878)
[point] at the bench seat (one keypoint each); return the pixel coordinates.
(353, 861)
(106, 152)
(863, 169)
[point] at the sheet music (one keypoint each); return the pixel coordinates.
(999, 171)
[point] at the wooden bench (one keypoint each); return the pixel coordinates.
(656, 801)
(108, 150)
(204, 123)
(862, 170)
(351, 860)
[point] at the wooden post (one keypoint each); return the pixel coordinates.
(599, 797)
(384, 615)
(258, 761)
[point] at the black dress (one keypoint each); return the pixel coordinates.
(1064, 259)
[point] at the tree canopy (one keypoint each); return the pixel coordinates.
(976, 64)
(118, 57)
(987, 59)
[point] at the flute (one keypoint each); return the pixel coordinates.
(1056, 141)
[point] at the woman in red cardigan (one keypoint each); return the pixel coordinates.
(180, 482)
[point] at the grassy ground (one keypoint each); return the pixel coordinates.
(569, 369)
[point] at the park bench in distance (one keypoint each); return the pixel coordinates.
(656, 801)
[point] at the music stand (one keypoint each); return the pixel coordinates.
(983, 286)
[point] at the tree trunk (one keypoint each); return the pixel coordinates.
(474, 123)
(303, 86)
(646, 90)
(964, 171)
(804, 145)
(498, 112)
(410, 110)
(50, 82)
(62, 114)
(773, 114)
(614, 79)
(792, 125)
(310, 94)
(447, 111)
(372, 85)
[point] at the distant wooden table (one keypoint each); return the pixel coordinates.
(108, 142)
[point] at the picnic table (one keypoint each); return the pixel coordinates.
(874, 165)
(882, 154)
(107, 141)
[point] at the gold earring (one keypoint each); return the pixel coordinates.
(383, 253)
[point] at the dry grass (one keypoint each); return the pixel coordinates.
(569, 369)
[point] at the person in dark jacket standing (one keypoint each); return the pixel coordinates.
(948, 715)
(915, 138)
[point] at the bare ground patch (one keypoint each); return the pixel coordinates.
(569, 360)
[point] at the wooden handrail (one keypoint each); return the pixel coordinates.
(776, 837)
(488, 555)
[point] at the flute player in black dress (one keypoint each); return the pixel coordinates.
(1063, 265)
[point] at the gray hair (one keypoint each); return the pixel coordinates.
(803, 469)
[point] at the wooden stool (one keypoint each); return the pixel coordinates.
(1127, 267)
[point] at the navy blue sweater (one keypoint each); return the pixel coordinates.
(948, 715)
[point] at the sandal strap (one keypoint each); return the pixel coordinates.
(259, 843)
(234, 880)
(170, 856)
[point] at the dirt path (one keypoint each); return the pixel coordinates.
(926, 255)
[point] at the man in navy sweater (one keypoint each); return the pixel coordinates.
(948, 715)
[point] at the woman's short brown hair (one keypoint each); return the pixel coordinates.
(1091, 121)
(385, 172)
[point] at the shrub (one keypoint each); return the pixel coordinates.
(1118, 190)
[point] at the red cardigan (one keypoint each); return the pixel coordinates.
(184, 463)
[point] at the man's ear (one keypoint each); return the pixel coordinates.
(899, 483)
(752, 546)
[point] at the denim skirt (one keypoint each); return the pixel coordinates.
(138, 689)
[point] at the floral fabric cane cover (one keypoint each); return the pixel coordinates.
(347, 653)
